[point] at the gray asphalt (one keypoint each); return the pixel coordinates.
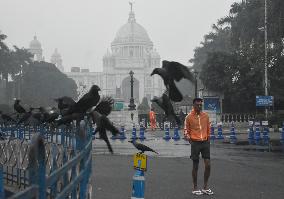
(235, 173)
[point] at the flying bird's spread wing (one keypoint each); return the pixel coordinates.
(105, 106)
(177, 70)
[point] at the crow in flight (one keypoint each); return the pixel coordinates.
(18, 108)
(142, 147)
(171, 72)
(102, 125)
(89, 100)
(165, 103)
(7, 118)
(99, 116)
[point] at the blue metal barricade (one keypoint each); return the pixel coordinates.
(54, 163)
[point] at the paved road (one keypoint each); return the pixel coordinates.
(236, 173)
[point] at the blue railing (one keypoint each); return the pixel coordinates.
(44, 162)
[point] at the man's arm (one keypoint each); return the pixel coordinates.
(187, 130)
(208, 128)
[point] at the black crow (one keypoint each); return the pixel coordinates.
(89, 100)
(171, 72)
(142, 147)
(25, 116)
(64, 103)
(18, 108)
(7, 118)
(102, 125)
(165, 103)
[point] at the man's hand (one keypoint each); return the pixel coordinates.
(187, 138)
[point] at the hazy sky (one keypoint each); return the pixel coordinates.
(83, 30)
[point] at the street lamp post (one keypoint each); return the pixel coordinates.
(131, 103)
(195, 82)
(265, 55)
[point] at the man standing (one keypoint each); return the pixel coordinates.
(152, 116)
(197, 131)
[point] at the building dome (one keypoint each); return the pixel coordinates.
(35, 44)
(55, 54)
(132, 32)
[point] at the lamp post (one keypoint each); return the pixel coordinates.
(265, 55)
(195, 81)
(131, 102)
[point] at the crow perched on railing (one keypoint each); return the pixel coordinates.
(171, 72)
(142, 147)
(18, 108)
(165, 103)
(25, 116)
(6, 118)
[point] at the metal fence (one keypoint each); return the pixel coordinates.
(45, 162)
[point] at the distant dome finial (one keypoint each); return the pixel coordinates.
(131, 14)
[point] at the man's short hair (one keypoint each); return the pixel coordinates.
(197, 99)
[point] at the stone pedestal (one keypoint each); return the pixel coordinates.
(123, 117)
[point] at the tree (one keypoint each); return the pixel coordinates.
(42, 82)
(231, 57)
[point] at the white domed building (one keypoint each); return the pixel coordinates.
(131, 50)
(35, 49)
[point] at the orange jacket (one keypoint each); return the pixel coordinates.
(197, 127)
(152, 115)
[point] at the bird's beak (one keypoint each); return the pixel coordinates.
(152, 73)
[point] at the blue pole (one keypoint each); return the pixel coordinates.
(176, 134)
(282, 135)
(142, 133)
(233, 138)
(167, 133)
(257, 135)
(220, 133)
(122, 133)
(138, 187)
(2, 191)
(212, 134)
(134, 133)
(265, 136)
(251, 135)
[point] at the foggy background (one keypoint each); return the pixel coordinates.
(83, 30)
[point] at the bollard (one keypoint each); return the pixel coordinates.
(122, 133)
(176, 134)
(212, 134)
(142, 132)
(233, 138)
(265, 136)
(2, 191)
(134, 137)
(167, 133)
(282, 135)
(257, 135)
(220, 133)
(138, 186)
(251, 135)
